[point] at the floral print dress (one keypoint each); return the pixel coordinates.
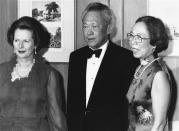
(140, 111)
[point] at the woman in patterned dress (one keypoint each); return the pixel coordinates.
(149, 92)
(30, 97)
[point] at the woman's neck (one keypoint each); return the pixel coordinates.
(25, 62)
(147, 59)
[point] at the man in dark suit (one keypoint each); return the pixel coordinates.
(99, 77)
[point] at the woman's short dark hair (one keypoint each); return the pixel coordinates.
(99, 7)
(40, 34)
(157, 31)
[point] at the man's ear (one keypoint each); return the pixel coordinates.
(110, 29)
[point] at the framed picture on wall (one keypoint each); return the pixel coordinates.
(58, 17)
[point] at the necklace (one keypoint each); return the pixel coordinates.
(144, 62)
(137, 74)
(20, 71)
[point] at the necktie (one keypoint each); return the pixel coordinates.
(96, 52)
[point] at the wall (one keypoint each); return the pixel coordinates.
(8, 13)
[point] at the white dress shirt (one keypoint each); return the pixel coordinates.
(93, 65)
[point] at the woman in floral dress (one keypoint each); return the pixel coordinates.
(149, 92)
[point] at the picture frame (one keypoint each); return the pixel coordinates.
(59, 21)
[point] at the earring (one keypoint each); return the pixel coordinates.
(153, 49)
(35, 52)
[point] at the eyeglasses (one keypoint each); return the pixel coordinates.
(137, 38)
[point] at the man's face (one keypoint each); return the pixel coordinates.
(95, 29)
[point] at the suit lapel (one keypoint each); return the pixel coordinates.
(83, 66)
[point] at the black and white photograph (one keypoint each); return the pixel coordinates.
(89, 65)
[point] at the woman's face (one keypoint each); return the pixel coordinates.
(139, 41)
(23, 44)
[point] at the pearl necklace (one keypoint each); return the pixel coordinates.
(144, 62)
(137, 75)
(16, 74)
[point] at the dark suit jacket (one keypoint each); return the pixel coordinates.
(107, 106)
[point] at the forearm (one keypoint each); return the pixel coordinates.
(56, 116)
(58, 121)
(159, 125)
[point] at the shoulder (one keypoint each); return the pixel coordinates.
(122, 54)
(43, 66)
(161, 77)
(80, 51)
(7, 65)
(3, 67)
(120, 50)
(159, 67)
(48, 72)
(161, 85)
(6, 69)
